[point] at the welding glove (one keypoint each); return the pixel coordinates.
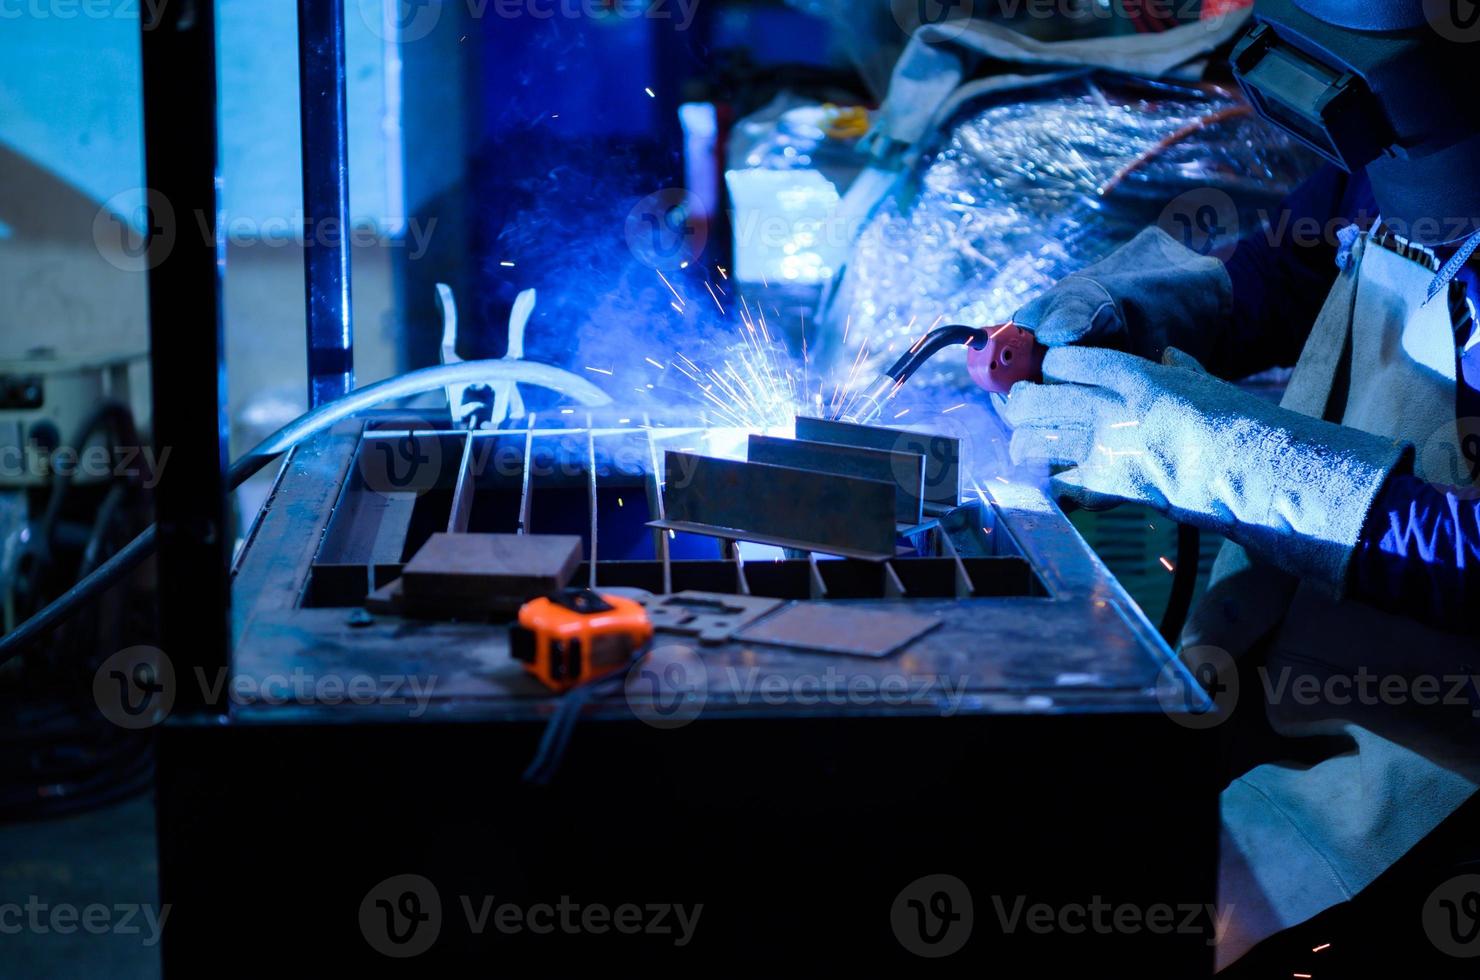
(1147, 295)
(1292, 489)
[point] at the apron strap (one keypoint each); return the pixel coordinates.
(1466, 376)
(1451, 268)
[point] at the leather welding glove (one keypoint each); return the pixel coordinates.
(1147, 295)
(1292, 489)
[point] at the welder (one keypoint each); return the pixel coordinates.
(1351, 508)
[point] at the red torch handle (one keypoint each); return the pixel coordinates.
(1011, 354)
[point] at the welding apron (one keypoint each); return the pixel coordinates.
(1299, 839)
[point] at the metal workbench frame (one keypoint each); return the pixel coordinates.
(186, 329)
(330, 774)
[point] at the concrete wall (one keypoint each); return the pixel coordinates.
(71, 144)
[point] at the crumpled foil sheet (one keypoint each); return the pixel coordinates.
(1031, 185)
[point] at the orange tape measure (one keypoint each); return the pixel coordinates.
(577, 635)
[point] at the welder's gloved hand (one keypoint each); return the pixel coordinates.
(1147, 295)
(1292, 489)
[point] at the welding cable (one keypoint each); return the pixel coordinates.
(1172, 139)
(132, 555)
(1184, 583)
(562, 723)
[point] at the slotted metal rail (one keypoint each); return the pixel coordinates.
(606, 483)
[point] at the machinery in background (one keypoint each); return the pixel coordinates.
(75, 482)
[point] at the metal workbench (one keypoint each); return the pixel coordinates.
(1060, 774)
(1031, 749)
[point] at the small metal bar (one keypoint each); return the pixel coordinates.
(821, 512)
(759, 537)
(323, 123)
(942, 453)
(178, 60)
(524, 478)
(893, 587)
(905, 470)
(462, 497)
(729, 550)
(818, 587)
(591, 498)
(964, 586)
(655, 506)
(741, 582)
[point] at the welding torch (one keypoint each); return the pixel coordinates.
(997, 358)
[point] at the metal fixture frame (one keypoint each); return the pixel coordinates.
(186, 328)
(375, 792)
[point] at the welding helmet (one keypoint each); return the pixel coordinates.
(1381, 84)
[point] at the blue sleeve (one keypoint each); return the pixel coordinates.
(1419, 553)
(1282, 271)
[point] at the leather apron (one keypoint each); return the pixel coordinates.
(1299, 839)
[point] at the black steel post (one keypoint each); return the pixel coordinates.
(322, 116)
(185, 260)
